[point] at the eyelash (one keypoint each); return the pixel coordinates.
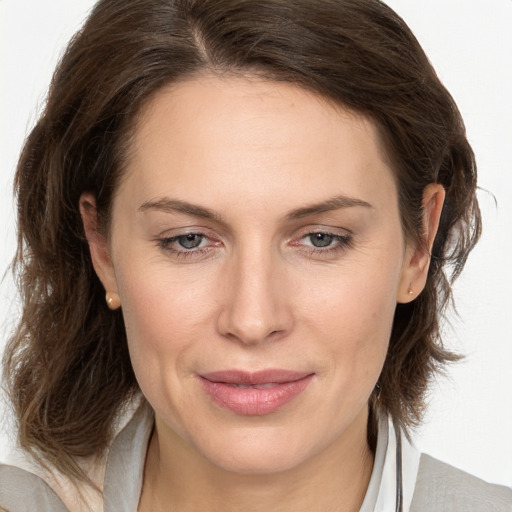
(165, 244)
(340, 243)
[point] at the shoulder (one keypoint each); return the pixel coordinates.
(21, 490)
(24, 486)
(443, 488)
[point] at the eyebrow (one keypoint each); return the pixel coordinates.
(174, 205)
(167, 205)
(335, 203)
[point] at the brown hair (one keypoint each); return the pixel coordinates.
(67, 365)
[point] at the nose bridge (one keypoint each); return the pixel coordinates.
(257, 305)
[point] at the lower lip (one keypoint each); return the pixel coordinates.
(253, 401)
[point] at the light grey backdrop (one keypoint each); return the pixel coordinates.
(469, 422)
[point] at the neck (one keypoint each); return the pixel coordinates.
(176, 477)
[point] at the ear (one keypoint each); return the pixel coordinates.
(99, 249)
(417, 256)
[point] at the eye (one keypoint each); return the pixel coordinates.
(188, 245)
(323, 243)
(321, 239)
(190, 241)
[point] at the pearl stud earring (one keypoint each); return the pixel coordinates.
(113, 300)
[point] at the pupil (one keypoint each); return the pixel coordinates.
(321, 239)
(190, 241)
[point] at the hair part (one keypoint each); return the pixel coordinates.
(67, 365)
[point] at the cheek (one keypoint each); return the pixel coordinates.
(359, 337)
(354, 318)
(164, 317)
(358, 356)
(357, 304)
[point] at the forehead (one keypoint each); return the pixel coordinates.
(212, 137)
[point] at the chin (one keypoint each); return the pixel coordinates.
(258, 451)
(258, 461)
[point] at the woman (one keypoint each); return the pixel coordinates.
(235, 221)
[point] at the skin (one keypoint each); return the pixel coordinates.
(256, 293)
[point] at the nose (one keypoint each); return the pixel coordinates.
(257, 305)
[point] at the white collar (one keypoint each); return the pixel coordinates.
(381, 494)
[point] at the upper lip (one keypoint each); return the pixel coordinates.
(250, 378)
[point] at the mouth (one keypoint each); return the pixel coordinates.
(267, 385)
(254, 393)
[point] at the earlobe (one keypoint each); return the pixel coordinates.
(417, 256)
(98, 247)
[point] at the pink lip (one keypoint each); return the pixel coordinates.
(254, 393)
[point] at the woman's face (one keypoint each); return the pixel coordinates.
(257, 250)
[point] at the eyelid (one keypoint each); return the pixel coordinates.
(324, 229)
(340, 237)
